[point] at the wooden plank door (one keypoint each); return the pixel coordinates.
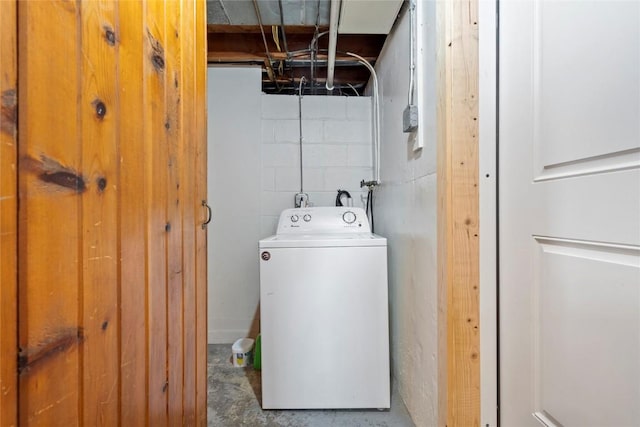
(111, 160)
(8, 214)
(569, 213)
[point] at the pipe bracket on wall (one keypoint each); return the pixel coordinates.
(209, 215)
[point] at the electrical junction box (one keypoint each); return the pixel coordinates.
(410, 118)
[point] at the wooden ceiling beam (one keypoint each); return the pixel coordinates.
(225, 57)
(255, 29)
(364, 45)
(231, 57)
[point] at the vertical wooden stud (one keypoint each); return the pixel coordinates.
(8, 215)
(458, 213)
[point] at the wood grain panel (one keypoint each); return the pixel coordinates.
(175, 149)
(187, 193)
(51, 185)
(111, 158)
(458, 214)
(155, 141)
(99, 117)
(130, 38)
(8, 215)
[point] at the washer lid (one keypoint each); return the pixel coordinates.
(322, 240)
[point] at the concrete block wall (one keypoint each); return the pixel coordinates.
(406, 214)
(254, 172)
(337, 151)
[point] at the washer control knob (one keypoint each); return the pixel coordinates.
(349, 217)
(294, 218)
(307, 218)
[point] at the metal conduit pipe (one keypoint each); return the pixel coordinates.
(334, 19)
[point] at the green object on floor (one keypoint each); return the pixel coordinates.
(257, 362)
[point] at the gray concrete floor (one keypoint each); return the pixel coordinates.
(234, 400)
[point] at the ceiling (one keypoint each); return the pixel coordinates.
(235, 36)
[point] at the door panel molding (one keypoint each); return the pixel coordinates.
(598, 251)
(546, 420)
(572, 281)
(572, 104)
(610, 162)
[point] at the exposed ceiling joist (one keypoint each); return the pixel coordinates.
(251, 42)
(234, 37)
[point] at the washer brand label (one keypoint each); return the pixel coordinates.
(266, 256)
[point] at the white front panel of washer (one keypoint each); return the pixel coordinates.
(324, 326)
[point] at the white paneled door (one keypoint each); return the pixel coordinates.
(569, 213)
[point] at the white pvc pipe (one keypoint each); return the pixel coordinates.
(333, 41)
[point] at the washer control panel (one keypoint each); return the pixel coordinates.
(342, 219)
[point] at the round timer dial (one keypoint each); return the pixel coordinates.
(349, 217)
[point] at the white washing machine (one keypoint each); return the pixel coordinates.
(324, 312)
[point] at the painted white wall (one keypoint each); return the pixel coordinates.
(234, 161)
(254, 173)
(405, 213)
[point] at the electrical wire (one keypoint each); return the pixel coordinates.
(312, 52)
(284, 35)
(353, 88)
(312, 64)
(412, 60)
(276, 40)
(376, 137)
(224, 10)
(266, 46)
(318, 16)
(276, 37)
(376, 112)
